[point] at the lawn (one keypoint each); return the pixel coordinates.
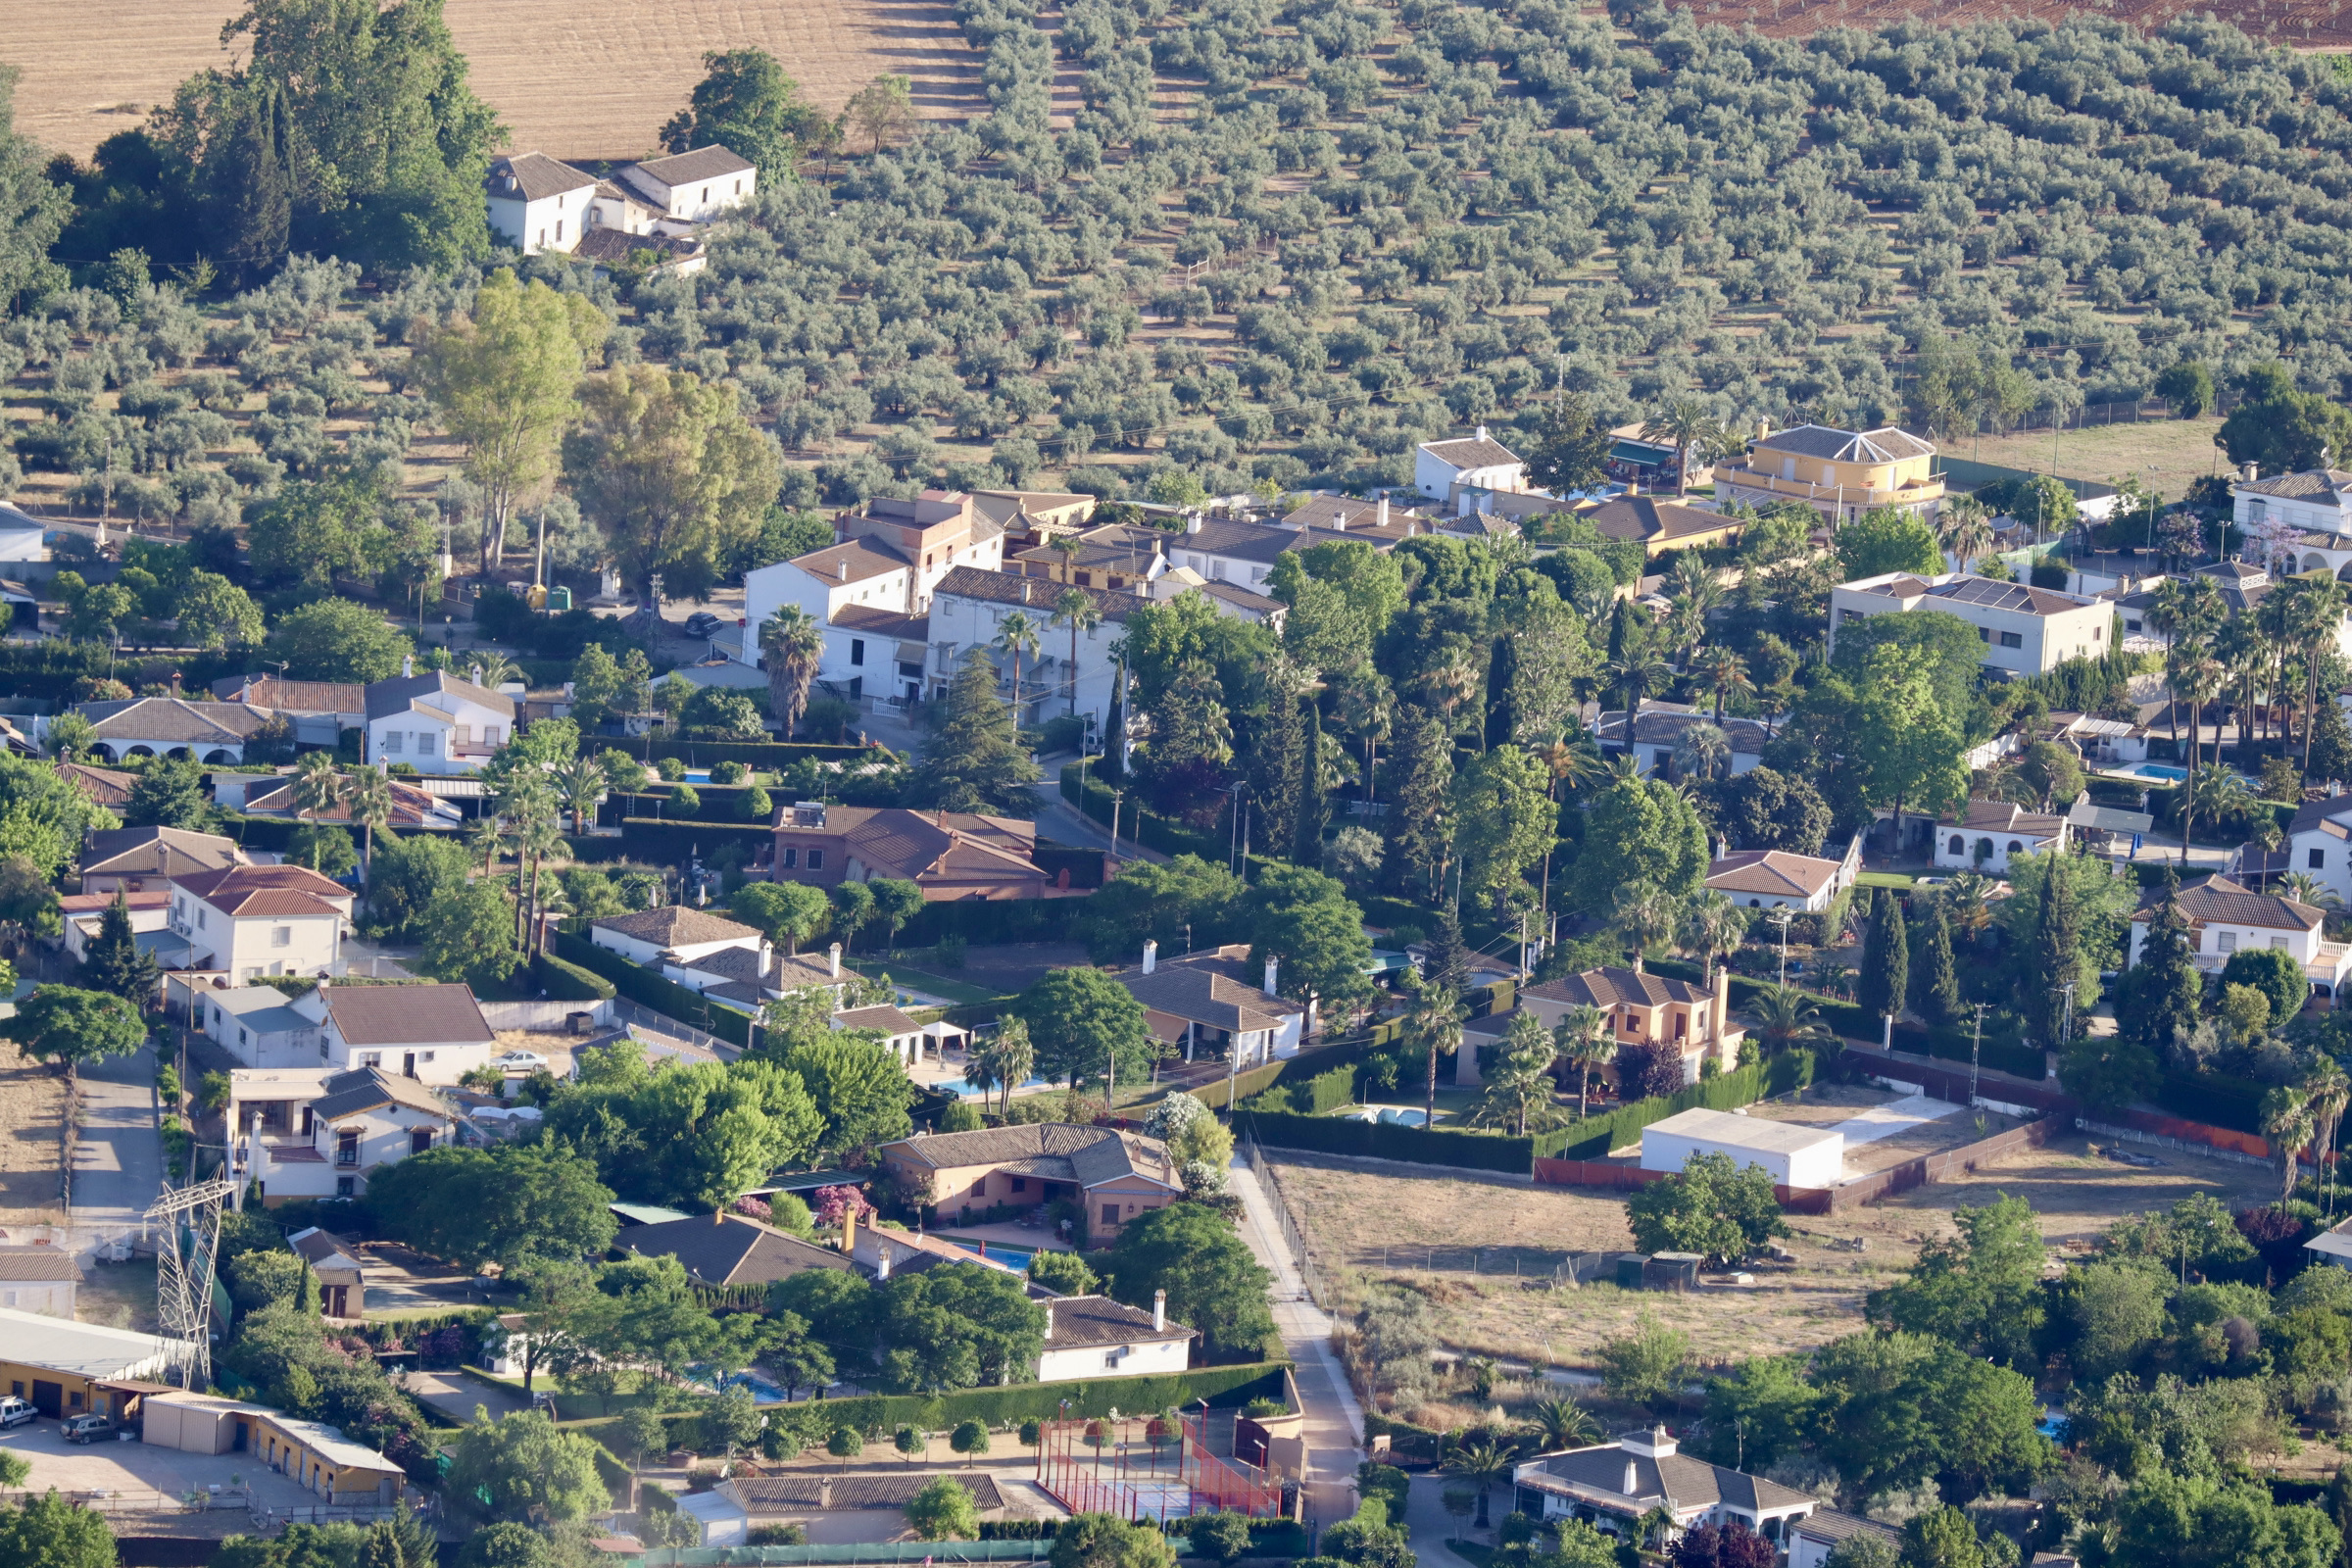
(2164, 453)
(954, 992)
(1900, 881)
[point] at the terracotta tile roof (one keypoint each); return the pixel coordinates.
(1098, 1320)
(404, 693)
(347, 1094)
(886, 1018)
(729, 1250)
(928, 847)
(1691, 1482)
(1036, 593)
(1659, 725)
(2222, 901)
(1216, 988)
(176, 719)
(1056, 1151)
(266, 890)
(105, 786)
(675, 925)
(33, 1264)
(438, 1014)
(533, 176)
(292, 696)
(157, 852)
(1771, 872)
(2004, 816)
(73, 904)
(854, 560)
(1647, 520)
(609, 245)
(410, 806)
(1471, 451)
(1613, 987)
(2332, 483)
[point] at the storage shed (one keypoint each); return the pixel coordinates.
(1796, 1155)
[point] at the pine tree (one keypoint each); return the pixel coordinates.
(1885, 958)
(114, 961)
(1314, 791)
(250, 200)
(974, 759)
(1935, 986)
(2164, 991)
(1274, 777)
(2051, 961)
(1502, 672)
(1421, 761)
(1447, 964)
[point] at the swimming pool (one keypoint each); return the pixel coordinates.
(2162, 771)
(763, 1391)
(963, 1087)
(1015, 1258)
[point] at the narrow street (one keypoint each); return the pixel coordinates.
(118, 1156)
(1335, 1422)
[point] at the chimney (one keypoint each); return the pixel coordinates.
(1049, 1320)
(1271, 965)
(768, 960)
(1763, 429)
(2253, 471)
(1631, 1473)
(1159, 1310)
(1151, 956)
(1384, 511)
(1722, 1010)
(1192, 523)
(719, 1216)
(849, 1230)
(841, 570)
(1024, 590)
(473, 673)
(833, 961)
(1482, 433)
(882, 1263)
(408, 666)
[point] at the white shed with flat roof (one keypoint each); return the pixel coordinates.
(1796, 1156)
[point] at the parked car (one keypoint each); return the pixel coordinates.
(15, 1412)
(519, 1060)
(702, 623)
(87, 1428)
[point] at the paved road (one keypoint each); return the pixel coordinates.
(1063, 823)
(1335, 1422)
(455, 1393)
(119, 1158)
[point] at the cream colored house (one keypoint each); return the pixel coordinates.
(2023, 630)
(39, 1278)
(317, 1133)
(1839, 473)
(2226, 918)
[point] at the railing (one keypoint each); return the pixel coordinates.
(1841, 494)
(1293, 1239)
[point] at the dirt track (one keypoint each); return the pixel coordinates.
(32, 1111)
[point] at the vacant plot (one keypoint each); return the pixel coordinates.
(2166, 453)
(594, 80)
(33, 1130)
(1366, 1228)
(1830, 1105)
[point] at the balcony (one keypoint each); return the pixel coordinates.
(1919, 492)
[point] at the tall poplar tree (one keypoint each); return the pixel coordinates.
(1314, 794)
(1885, 958)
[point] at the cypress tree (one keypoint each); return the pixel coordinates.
(1314, 793)
(2050, 961)
(249, 192)
(1885, 958)
(114, 962)
(1502, 716)
(1447, 966)
(1274, 778)
(1935, 993)
(2163, 988)
(1421, 760)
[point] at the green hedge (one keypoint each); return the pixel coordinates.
(1328, 1091)
(2004, 1050)
(1414, 1146)
(770, 755)
(666, 841)
(2212, 1098)
(1138, 824)
(565, 981)
(987, 922)
(643, 986)
(1343, 1055)
(1743, 1086)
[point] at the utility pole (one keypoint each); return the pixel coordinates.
(1782, 918)
(1975, 1048)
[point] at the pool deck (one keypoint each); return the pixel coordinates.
(1020, 1236)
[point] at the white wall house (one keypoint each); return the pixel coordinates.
(2226, 918)
(2024, 631)
(2320, 842)
(258, 1025)
(2297, 522)
(1776, 879)
(22, 536)
(1096, 1337)
(1481, 462)
(435, 723)
(694, 186)
(1794, 1155)
(1987, 833)
(537, 203)
(173, 726)
(41, 1277)
(672, 934)
(969, 611)
(319, 1133)
(253, 920)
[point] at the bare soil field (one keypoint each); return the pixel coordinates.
(2166, 453)
(33, 1130)
(1365, 1229)
(594, 80)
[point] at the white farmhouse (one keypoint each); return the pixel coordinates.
(1777, 879)
(672, 934)
(173, 726)
(435, 723)
(2226, 917)
(2024, 631)
(319, 1133)
(1987, 834)
(2297, 522)
(1480, 461)
(253, 920)
(1096, 1337)
(22, 536)
(695, 187)
(537, 203)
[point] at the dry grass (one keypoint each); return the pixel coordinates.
(594, 80)
(33, 1130)
(2166, 453)
(119, 1296)
(1362, 1227)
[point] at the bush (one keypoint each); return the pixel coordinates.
(564, 981)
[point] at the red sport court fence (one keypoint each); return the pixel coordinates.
(1148, 1468)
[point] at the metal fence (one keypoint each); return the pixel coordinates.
(890, 1552)
(1294, 1238)
(644, 1021)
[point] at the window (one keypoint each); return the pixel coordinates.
(2016, 848)
(242, 1040)
(1020, 1184)
(2225, 941)
(322, 1047)
(281, 936)
(1982, 635)
(1110, 1213)
(542, 236)
(2130, 625)
(1958, 846)
(345, 1187)
(395, 742)
(792, 858)
(558, 231)
(2013, 639)
(427, 742)
(739, 187)
(2277, 944)
(464, 733)
(817, 860)
(371, 1059)
(490, 734)
(200, 919)
(2318, 857)
(857, 650)
(347, 1148)
(705, 193)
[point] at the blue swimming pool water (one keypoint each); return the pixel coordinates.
(961, 1089)
(763, 1391)
(998, 1252)
(2159, 770)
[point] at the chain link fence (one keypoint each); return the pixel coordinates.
(1318, 1290)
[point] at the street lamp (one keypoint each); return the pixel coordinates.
(1782, 918)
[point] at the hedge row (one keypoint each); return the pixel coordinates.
(755, 754)
(666, 841)
(1374, 1140)
(643, 986)
(2215, 1099)
(1743, 1086)
(566, 981)
(987, 922)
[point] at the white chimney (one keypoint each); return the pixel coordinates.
(1384, 511)
(768, 960)
(1630, 1480)
(1192, 523)
(1482, 433)
(1271, 966)
(408, 663)
(1159, 1310)
(2253, 471)
(833, 961)
(841, 570)
(1049, 1320)
(882, 1263)
(1151, 956)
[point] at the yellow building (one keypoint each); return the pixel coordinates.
(1839, 473)
(64, 1368)
(315, 1456)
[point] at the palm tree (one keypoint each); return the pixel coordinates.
(2194, 677)
(1726, 675)
(2318, 614)
(1449, 684)
(1017, 636)
(1012, 1058)
(2330, 1091)
(1644, 915)
(316, 789)
(2304, 888)
(539, 833)
(1687, 426)
(1075, 608)
(1564, 1424)
(1784, 1018)
(2244, 653)
(1518, 1083)
(1569, 763)
(1367, 707)
(368, 797)
(491, 669)
(1066, 546)
(1480, 1464)
(1712, 923)
(1584, 1039)
(1967, 903)
(792, 645)
(1702, 751)
(486, 835)
(2287, 1120)
(579, 784)
(1964, 529)
(1634, 676)
(1433, 1022)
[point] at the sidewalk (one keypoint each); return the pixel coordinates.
(1334, 1421)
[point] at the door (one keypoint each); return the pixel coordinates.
(49, 1398)
(244, 1437)
(336, 1296)
(407, 1064)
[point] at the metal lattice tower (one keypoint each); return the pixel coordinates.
(189, 1219)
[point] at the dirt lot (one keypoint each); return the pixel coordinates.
(1364, 1228)
(1833, 1105)
(585, 81)
(32, 1126)
(121, 1296)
